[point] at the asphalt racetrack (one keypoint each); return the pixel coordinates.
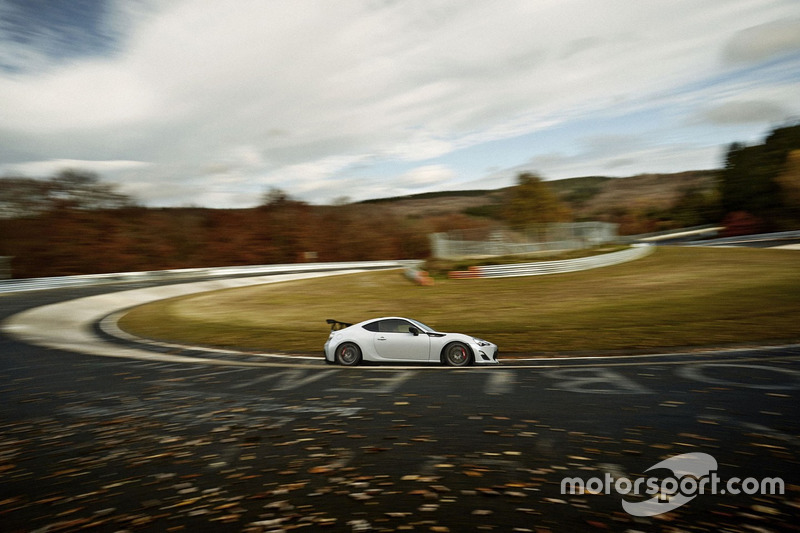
(91, 443)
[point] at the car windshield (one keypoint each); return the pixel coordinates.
(421, 325)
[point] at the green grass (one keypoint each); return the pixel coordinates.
(676, 297)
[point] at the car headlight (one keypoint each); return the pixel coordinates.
(481, 342)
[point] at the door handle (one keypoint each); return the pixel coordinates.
(381, 338)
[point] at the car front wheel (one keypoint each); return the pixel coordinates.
(348, 354)
(457, 354)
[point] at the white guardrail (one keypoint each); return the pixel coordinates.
(185, 274)
(177, 275)
(748, 239)
(556, 267)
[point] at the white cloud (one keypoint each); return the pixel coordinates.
(426, 176)
(746, 111)
(53, 166)
(86, 96)
(296, 94)
(315, 170)
(764, 41)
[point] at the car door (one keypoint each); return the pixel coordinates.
(394, 340)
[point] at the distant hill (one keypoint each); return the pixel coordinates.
(71, 238)
(598, 197)
(439, 203)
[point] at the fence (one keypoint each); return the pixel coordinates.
(33, 284)
(675, 235)
(554, 267)
(789, 236)
(538, 238)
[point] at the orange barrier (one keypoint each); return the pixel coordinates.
(465, 274)
(420, 277)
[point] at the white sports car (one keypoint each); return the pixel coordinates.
(403, 340)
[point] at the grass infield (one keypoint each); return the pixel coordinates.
(674, 298)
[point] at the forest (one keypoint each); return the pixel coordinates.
(74, 223)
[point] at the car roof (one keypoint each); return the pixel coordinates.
(386, 318)
(414, 320)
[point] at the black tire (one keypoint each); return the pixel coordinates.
(348, 354)
(457, 354)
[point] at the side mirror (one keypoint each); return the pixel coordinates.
(414, 331)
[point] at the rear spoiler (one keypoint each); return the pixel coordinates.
(336, 325)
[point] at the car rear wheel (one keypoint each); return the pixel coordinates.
(348, 354)
(457, 354)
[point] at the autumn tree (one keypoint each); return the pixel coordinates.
(275, 197)
(533, 202)
(21, 197)
(71, 189)
(287, 227)
(750, 182)
(79, 189)
(695, 206)
(789, 183)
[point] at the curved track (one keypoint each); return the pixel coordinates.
(198, 442)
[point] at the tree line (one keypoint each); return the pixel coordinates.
(758, 190)
(74, 223)
(760, 184)
(68, 241)
(69, 189)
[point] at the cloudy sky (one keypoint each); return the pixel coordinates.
(214, 102)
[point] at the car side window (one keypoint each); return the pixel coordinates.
(372, 326)
(394, 326)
